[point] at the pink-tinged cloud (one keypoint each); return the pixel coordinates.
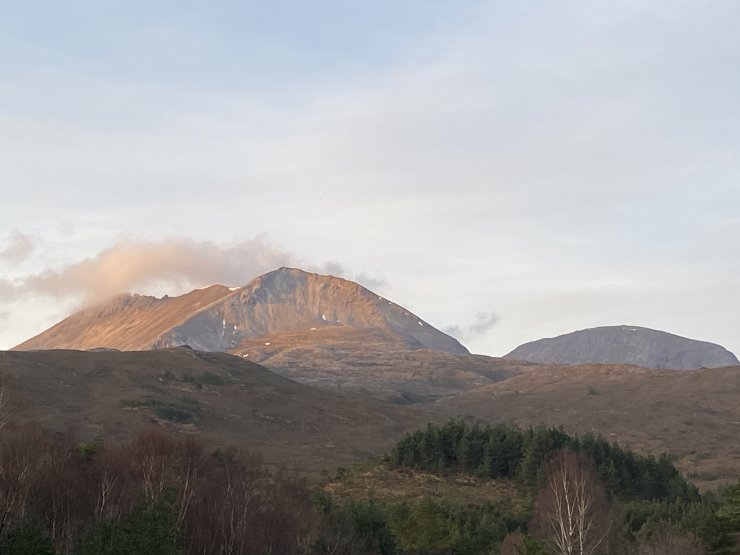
(135, 265)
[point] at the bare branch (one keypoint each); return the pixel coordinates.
(571, 510)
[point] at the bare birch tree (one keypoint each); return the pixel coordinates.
(4, 407)
(21, 454)
(571, 511)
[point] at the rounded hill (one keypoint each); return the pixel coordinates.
(626, 345)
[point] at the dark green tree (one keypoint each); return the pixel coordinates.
(28, 537)
(152, 527)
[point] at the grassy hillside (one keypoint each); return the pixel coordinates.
(694, 416)
(219, 398)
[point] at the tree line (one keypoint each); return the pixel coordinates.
(159, 493)
(615, 501)
(155, 493)
(507, 451)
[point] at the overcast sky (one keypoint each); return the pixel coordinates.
(508, 170)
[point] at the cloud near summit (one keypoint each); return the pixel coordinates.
(138, 265)
(484, 322)
(171, 265)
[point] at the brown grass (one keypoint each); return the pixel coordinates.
(113, 394)
(381, 483)
(694, 416)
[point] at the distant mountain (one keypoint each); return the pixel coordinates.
(626, 345)
(219, 318)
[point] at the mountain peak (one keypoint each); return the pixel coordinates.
(625, 344)
(217, 318)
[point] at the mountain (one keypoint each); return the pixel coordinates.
(222, 399)
(224, 319)
(626, 345)
(316, 329)
(362, 362)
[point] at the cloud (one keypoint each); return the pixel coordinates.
(165, 265)
(483, 323)
(7, 289)
(332, 269)
(370, 281)
(366, 279)
(137, 265)
(19, 247)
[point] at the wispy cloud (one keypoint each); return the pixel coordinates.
(137, 265)
(172, 265)
(17, 247)
(483, 323)
(371, 281)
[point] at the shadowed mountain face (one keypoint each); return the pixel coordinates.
(218, 318)
(626, 345)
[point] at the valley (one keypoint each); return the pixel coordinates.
(322, 378)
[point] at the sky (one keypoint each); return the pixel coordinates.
(508, 170)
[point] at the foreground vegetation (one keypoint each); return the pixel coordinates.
(645, 505)
(160, 494)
